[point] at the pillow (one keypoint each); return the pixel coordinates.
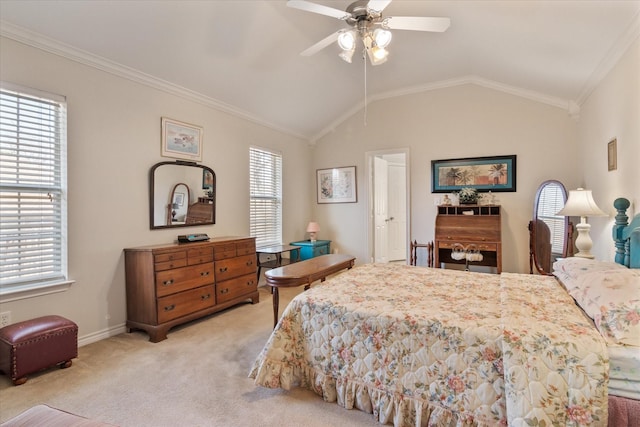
(608, 292)
(570, 269)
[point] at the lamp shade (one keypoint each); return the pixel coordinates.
(313, 227)
(580, 203)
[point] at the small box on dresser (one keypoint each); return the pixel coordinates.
(171, 284)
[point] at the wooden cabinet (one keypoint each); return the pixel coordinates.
(472, 226)
(309, 249)
(168, 285)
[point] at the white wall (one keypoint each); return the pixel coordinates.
(455, 122)
(612, 111)
(113, 140)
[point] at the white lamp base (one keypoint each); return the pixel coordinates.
(583, 241)
(312, 236)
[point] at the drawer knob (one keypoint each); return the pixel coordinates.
(204, 274)
(167, 282)
(204, 297)
(224, 291)
(249, 263)
(223, 269)
(169, 307)
(250, 283)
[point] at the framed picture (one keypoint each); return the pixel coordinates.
(612, 154)
(178, 199)
(497, 173)
(207, 180)
(337, 185)
(181, 140)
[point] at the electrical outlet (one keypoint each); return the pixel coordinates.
(5, 319)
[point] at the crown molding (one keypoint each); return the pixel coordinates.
(619, 48)
(570, 106)
(55, 47)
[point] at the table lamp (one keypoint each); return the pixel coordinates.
(580, 203)
(313, 229)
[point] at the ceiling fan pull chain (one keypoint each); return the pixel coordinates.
(364, 59)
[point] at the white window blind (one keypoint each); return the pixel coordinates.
(550, 202)
(266, 196)
(32, 182)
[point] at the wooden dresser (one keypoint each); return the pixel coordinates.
(168, 285)
(480, 230)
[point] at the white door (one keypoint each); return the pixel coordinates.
(397, 211)
(380, 206)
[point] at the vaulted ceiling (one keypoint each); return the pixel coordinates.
(243, 56)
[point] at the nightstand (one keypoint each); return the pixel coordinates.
(309, 249)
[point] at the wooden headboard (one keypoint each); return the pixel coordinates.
(626, 235)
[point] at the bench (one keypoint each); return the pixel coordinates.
(305, 273)
(37, 344)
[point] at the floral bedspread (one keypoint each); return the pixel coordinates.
(419, 346)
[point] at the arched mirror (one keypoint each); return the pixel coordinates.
(181, 194)
(550, 235)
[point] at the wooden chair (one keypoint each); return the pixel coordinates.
(413, 260)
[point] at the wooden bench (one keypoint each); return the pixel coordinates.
(305, 273)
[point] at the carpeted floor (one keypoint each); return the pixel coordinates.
(197, 377)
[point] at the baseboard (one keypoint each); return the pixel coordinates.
(101, 335)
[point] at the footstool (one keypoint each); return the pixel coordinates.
(37, 344)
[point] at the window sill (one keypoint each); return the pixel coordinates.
(34, 290)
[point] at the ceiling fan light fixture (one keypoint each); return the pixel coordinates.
(382, 37)
(347, 40)
(379, 54)
(347, 55)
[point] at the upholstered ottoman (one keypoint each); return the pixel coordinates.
(36, 344)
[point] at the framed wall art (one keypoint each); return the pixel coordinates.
(181, 140)
(178, 199)
(496, 173)
(207, 180)
(337, 185)
(612, 154)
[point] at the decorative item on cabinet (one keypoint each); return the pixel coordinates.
(313, 229)
(168, 285)
(309, 249)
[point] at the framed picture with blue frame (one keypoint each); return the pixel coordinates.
(495, 173)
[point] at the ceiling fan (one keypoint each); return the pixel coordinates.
(368, 24)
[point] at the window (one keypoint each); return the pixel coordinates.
(550, 202)
(266, 196)
(33, 243)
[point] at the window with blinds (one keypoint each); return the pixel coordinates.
(266, 196)
(550, 202)
(32, 188)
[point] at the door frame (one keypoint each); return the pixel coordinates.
(370, 191)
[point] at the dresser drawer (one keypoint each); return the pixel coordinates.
(246, 248)
(227, 250)
(491, 247)
(170, 260)
(230, 289)
(234, 267)
(199, 255)
(180, 279)
(183, 303)
(320, 250)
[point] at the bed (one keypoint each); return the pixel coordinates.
(421, 346)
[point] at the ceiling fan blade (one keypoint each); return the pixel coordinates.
(318, 8)
(378, 5)
(416, 23)
(321, 44)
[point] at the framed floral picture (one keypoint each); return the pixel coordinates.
(181, 140)
(337, 185)
(497, 173)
